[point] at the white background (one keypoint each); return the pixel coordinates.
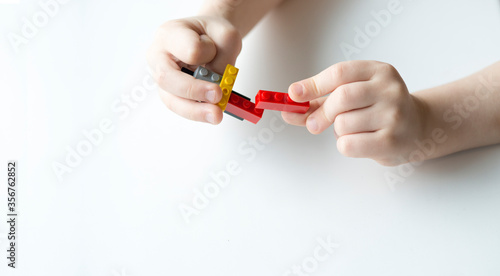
(117, 213)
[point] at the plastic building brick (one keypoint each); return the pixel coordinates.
(227, 84)
(243, 96)
(187, 71)
(243, 108)
(231, 114)
(279, 101)
(203, 73)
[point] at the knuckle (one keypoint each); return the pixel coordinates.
(288, 117)
(343, 95)
(160, 76)
(202, 110)
(394, 85)
(191, 91)
(337, 70)
(345, 146)
(394, 117)
(328, 114)
(194, 53)
(196, 113)
(232, 36)
(217, 112)
(400, 88)
(190, 115)
(170, 105)
(162, 31)
(340, 124)
(386, 69)
(313, 85)
(389, 142)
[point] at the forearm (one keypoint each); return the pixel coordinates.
(243, 14)
(467, 111)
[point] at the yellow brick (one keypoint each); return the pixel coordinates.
(227, 84)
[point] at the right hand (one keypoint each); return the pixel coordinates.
(208, 41)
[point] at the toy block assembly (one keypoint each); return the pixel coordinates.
(240, 106)
(205, 74)
(243, 108)
(227, 84)
(279, 101)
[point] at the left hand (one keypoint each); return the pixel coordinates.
(374, 114)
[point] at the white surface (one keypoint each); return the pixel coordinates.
(117, 213)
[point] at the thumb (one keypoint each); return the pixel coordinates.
(313, 87)
(189, 46)
(329, 79)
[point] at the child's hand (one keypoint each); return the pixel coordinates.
(204, 40)
(373, 114)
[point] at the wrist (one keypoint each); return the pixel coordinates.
(425, 119)
(241, 14)
(435, 132)
(223, 9)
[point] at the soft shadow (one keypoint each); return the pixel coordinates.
(290, 48)
(481, 159)
(478, 167)
(292, 41)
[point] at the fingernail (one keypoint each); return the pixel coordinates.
(312, 125)
(210, 95)
(298, 89)
(210, 118)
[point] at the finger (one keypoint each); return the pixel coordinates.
(357, 121)
(219, 42)
(166, 71)
(331, 78)
(170, 78)
(361, 145)
(227, 39)
(299, 119)
(195, 111)
(186, 41)
(347, 97)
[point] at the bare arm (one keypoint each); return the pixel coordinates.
(468, 110)
(242, 14)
